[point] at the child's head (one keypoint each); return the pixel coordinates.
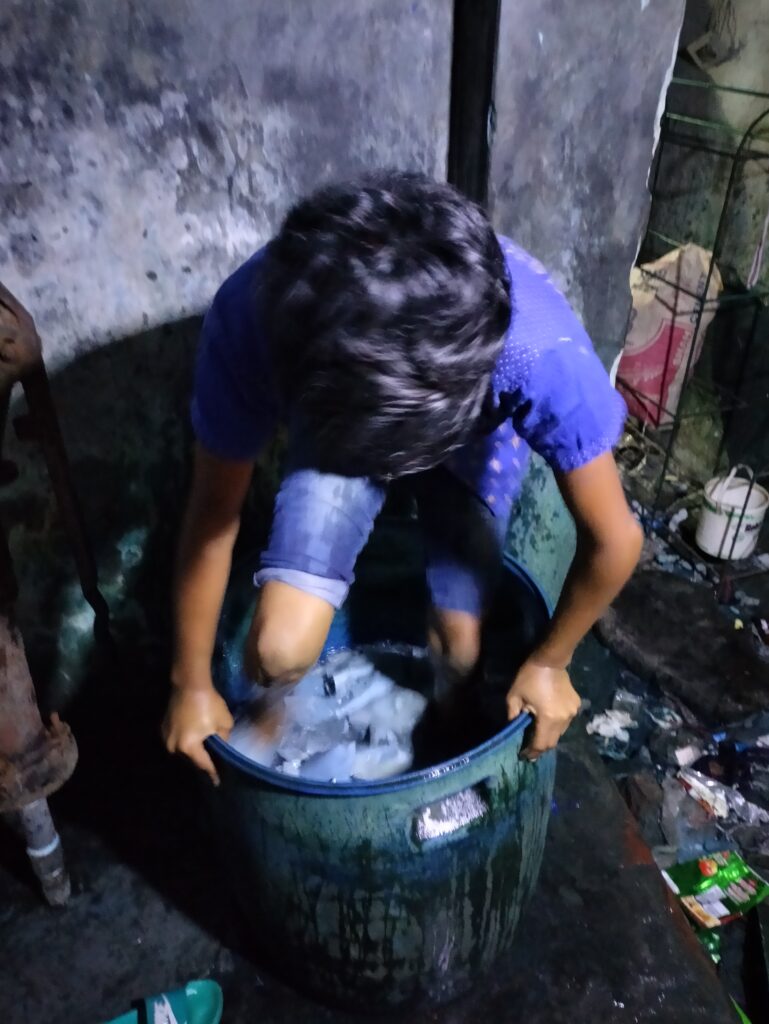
(388, 299)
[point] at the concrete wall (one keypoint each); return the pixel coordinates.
(579, 93)
(147, 148)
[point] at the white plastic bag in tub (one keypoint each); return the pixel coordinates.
(653, 363)
(733, 511)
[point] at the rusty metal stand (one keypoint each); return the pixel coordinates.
(36, 760)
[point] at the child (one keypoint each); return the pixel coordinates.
(396, 335)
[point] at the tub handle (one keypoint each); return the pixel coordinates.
(444, 818)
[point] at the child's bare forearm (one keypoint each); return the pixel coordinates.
(597, 574)
(209, 530)
(201, 580)
(609, 542)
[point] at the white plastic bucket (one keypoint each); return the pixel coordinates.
(728, 528)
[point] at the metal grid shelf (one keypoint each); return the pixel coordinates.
(668, 482)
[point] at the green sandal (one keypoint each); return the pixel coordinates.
(199, 1002)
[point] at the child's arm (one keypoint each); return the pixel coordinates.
(608, 547)
(209, 530)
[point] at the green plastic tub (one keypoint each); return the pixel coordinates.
(378, 894)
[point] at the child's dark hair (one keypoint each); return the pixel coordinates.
(388, 301)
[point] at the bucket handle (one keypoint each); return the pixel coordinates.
(452, 814)
(722, 486)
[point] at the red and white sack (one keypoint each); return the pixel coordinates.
(651, 370)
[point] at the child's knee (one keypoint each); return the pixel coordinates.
(284, 657)
(287, 634)
(456, 637)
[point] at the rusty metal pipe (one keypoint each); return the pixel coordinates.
(35, 825)
(35, 760)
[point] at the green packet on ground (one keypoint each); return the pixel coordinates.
(717, 888)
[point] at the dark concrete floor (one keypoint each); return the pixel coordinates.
(601, 940)
(672, 631)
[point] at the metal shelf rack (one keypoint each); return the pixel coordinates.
(661, 466)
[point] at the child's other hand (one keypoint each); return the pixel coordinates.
(547, 694)
(192, 716)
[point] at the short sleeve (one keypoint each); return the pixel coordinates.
(233, 410)
(555, 388)
(567, 409)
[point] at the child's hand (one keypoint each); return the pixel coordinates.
(193, 715)
(546, 693)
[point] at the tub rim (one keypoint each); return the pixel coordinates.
(311, 787)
